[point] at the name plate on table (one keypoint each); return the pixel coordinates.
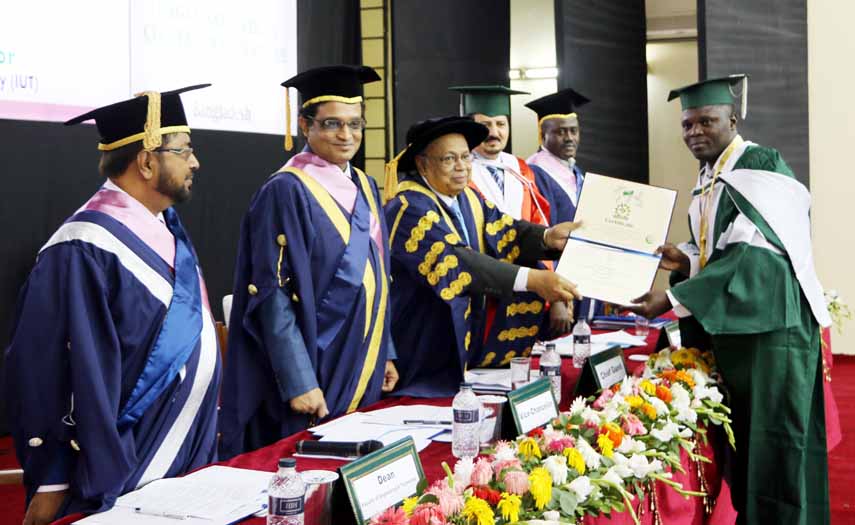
(601, 370)
(383, 478)
(533, 405)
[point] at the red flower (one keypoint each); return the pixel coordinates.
(535, 432)
(491, 496)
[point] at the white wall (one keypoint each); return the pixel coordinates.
(532, 45)
(670, 64)
(831, 45)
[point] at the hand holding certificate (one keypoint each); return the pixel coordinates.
(612, 256)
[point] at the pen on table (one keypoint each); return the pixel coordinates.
(425, 422)
(138, 510)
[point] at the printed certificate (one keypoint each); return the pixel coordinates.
(611, 257)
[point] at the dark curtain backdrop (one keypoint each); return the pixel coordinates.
(49, 170)
(768, 40)
(441, 43)
(601, 54)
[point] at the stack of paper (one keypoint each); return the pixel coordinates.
(387, 425)
(215, 495)
(489, 380)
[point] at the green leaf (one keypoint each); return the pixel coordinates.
(568, 502)
(428, 498)
(422, 485)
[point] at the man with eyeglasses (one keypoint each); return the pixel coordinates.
(450, 249)
(512, 185)
(113, 370)
(309, 331)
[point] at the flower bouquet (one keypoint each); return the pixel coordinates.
(601, 456)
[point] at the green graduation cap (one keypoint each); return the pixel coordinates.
(492, 100)
(713, 91)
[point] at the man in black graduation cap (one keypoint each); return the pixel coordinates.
(309, 331)
(112, 374)
(559, 178)
(450, 248)
(558, 133)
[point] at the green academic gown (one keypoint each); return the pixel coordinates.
(761, 304)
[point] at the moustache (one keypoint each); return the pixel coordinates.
(492, 137)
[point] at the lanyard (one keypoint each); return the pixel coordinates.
(707, 195)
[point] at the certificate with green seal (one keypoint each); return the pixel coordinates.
(612, 256)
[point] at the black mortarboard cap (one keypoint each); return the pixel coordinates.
(146, 117)
(421, 134)
(341, 83)
(557, 105)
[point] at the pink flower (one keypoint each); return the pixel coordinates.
(590, 425)
(499, 466)
(450, 502)
(390, 516)
(632, 425)
(427, 514)
(604, 398)
(483, 472)
(516, 482)
(558, 445)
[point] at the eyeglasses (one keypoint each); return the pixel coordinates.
(334, 124)
(184, 152)
(449, 160)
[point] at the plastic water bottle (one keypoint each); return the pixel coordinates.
(550, 367)
(581, 343)
(466, 430)
(287, 493)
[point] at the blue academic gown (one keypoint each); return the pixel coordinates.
(113, 370)
(438, 320)
(310, 310)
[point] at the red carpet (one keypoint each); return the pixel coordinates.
(841, 471)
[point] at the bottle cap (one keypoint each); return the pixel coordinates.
(287, 462)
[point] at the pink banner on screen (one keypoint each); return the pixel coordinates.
(13, 110)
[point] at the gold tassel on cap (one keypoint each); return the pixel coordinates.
(289, 141)
(390, 185)
(152, 138)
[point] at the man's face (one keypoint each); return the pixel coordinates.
(708, 130)
(497, 139)
(335, 133)
(177, 163)
(446, 164)
(561, 136)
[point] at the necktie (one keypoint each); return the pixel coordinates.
(455, 207)
(498, 175)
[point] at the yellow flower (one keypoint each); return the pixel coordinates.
(648, 410)
(509, 506)
(478, 511)
(529, 448)
(575, 460)
(606, 445)
(648, 387)
(540, 485)
(634, 401)
(410, 504)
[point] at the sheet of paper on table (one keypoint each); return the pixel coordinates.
(611, 257)
(599, 343)
(387, 426)
(215, 495)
